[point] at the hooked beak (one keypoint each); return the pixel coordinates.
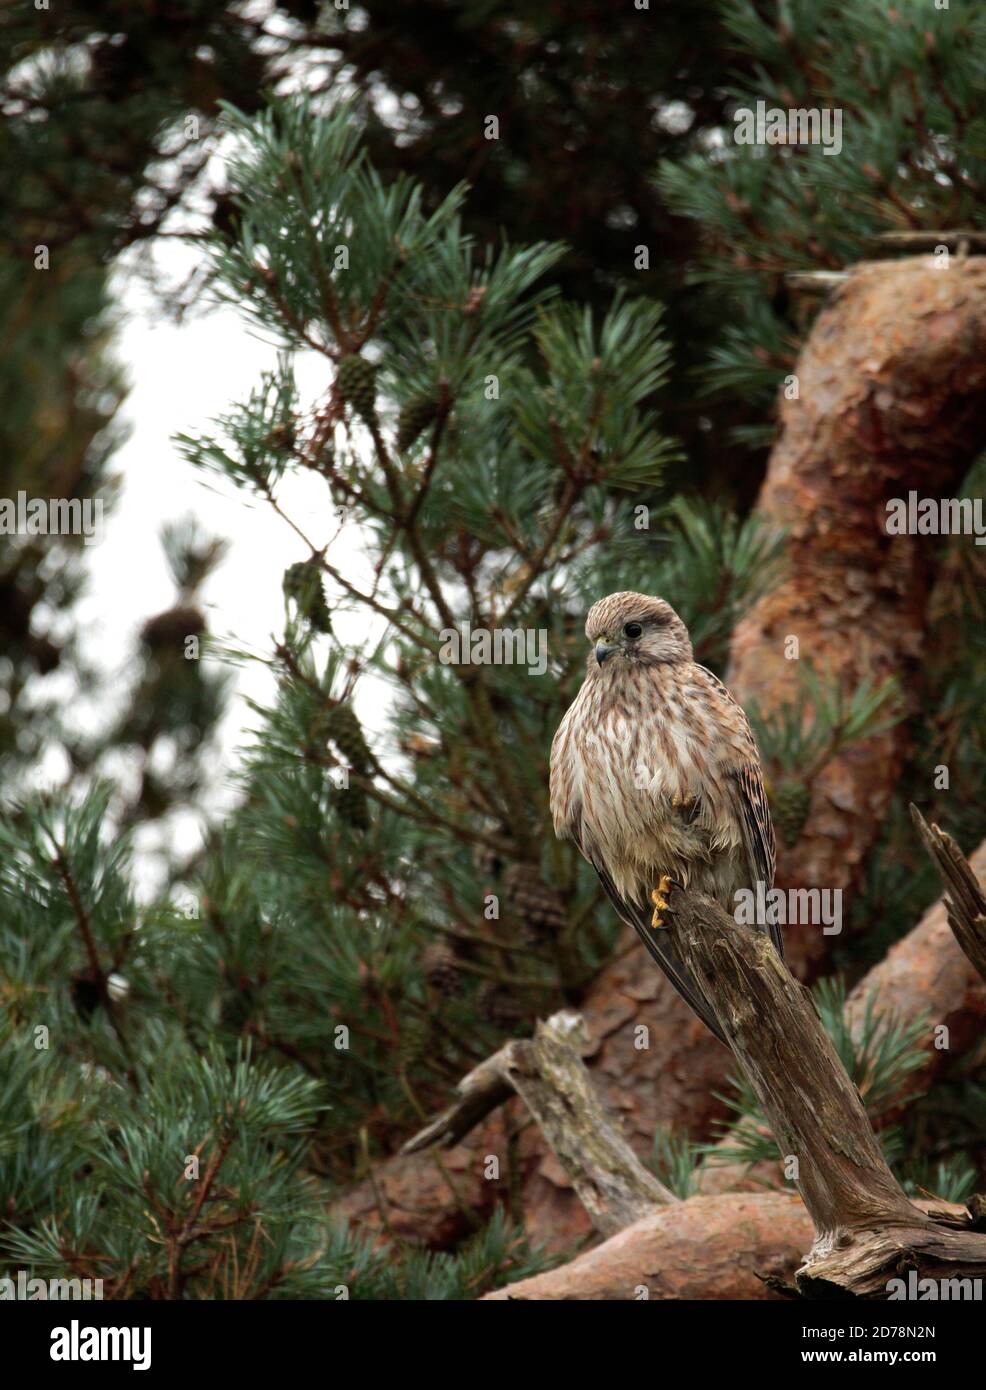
(604, 650)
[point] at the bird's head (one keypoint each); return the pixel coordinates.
(631, 627)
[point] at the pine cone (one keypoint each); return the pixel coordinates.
(789, 804)
(346, 732)
(303, 583)
(539, 907)
(169, 630)
(338, 724)
(416, 415)
(356, 382)
(351, 804)
(441, 967)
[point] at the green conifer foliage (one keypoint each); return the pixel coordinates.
(187, 1083)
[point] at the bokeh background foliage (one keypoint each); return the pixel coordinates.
(514, 420)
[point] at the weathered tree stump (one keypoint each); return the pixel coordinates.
(867, 1231)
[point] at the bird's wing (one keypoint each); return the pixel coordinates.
(758, 835)
(751, 799)
(638, 915)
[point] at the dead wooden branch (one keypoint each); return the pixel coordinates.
(866, 1229)
(476, 1096)
(548, 1073)
(965, 903)
(925, 973)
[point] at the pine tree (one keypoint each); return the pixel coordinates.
(289, 995)
(187, 1083)
(906, 85)
(96, 100)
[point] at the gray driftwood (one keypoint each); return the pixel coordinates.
(548, 1073)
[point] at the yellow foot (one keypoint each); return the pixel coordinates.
(660, 902)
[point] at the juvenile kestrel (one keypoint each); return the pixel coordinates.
(655, 776)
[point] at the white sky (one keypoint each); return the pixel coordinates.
(181, 377)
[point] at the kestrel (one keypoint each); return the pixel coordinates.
(656, 777)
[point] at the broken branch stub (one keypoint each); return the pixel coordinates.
(548, 1073)
(965, 903)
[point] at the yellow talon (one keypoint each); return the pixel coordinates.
(660, 901)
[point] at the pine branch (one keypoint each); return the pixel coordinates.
(99, 976)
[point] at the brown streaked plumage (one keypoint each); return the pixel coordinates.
(655, 775)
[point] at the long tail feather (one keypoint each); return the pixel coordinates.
(638, 916)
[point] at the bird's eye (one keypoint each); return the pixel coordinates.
(632, 630)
